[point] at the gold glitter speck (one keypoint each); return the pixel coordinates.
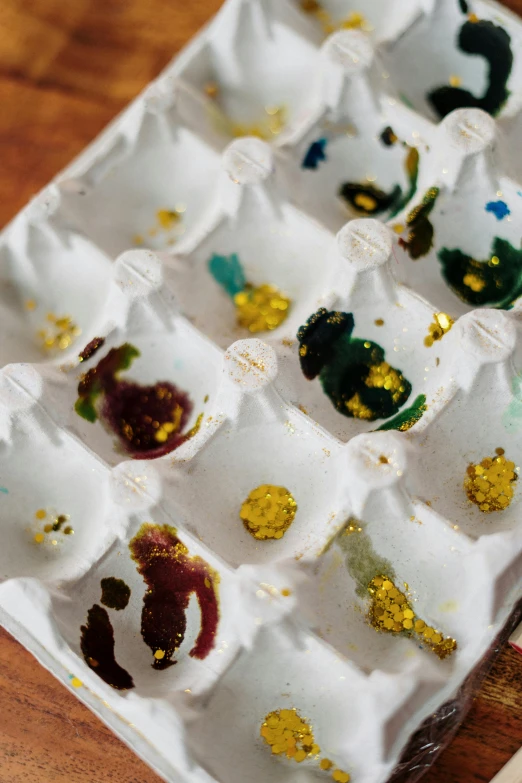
(379, 322)
(268, 512)
(286, 733)
(59, 333)
(455, 81)
(489, 484)
(442, 323)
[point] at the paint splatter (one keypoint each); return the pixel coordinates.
(485, 39)
(59, 333)
(498, 208)
(353, 372)
(91, 348)
(172, 576)
(97, 644)
(496, 281)
(148, 420)
(362, 561)
(259, 308)
(115, 593)
(420, 230)
(369, 200)
(315, 154)
(407, 418)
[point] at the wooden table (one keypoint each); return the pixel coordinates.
(66, 68)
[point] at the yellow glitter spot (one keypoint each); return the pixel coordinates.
(442, 323)
(59, 334)
(391, 612)
(455, 81)
(286, 592)
(399, 228)
(261, 308)
(379, 322)
(494, 261)
(473, 18)
(167, 218)
(340, 777)
(474, 282)
(212, 89)
(138, 239)
(39, 537)
(167, 428)
(489, 485)
(365, 202)
(30, 304)
(159, 655)
(268, 512)
(326, 764)
(285, 732)
(41, 514)
(76, 683)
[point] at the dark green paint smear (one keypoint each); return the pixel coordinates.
(501, 283)
(97, 644)
(351, 191)
(408, 417)
(362, 561)
(343, 363)
(115, 593)
(484, 39)
(421, 231)
(463, 6)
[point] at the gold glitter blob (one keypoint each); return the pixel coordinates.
(261, 308)
(289, 734)
(41, 513)
(365, 202)
(326, 764)
(473, 18)
(390, 611)
(30, 304)
(399, 228)
(59, 333)
(57, 524)
(268, 512)
(340, 777)
(381, 376)
(442, 323)
(167, 218)
(476, 283)
(379, 322)
(76, 683)
(159, 655)
(168, 227)
(39, 538)
(352, 527)
(455, 81)
(355, 20)
(168, 427)
(489, 485)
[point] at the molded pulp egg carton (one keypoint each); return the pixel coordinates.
(368, 223)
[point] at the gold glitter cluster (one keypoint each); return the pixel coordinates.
(271, 125)
(261, 308)
(442, 323)
(489, 485)
(288, 734)
(55, 525)
(355, 21)
(390, 611)
(381, 376)
(168, 221)
(268, 512)
(59, 333)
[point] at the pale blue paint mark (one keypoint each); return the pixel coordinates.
(4, 490)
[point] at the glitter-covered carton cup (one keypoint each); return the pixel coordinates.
(51, 530)
(53, 284)
(366, 322)
(458, 269)
(262, 282)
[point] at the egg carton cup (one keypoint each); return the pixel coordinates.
(343, 206)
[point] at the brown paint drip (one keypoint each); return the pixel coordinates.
(97, 644)
(172, 576)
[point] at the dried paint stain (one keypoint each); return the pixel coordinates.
(149, 420)
(97, 645)
(115, 593)
(172, 576)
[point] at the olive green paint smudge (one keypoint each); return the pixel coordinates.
(421, 231)
(380, 201)
(362, 561)
(487, 40)
(115, 593)
(408, 417)
(500, 284)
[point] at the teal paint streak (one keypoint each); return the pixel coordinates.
(4, 490)
(512, 416)
(228, 272)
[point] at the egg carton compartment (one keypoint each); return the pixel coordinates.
(458, 54)
(53, 283)
(463, 186)
(215, 406)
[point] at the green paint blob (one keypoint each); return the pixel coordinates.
(485, 39)
(362, 561)
(228, 272)
(421, 231)
(354, 373)
(369, 200)
(408, 417)
(496, 281)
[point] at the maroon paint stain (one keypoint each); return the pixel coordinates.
(97, 644)
(91, 348)
(172, 576)
(148, 420)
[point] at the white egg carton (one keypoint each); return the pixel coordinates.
(293, 629)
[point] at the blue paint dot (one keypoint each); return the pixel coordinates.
(315, 154)
(499, 208)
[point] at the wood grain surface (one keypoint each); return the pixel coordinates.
(66, 68)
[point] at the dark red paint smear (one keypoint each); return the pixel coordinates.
(97, 643)
(172, 576)
(134, 412)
